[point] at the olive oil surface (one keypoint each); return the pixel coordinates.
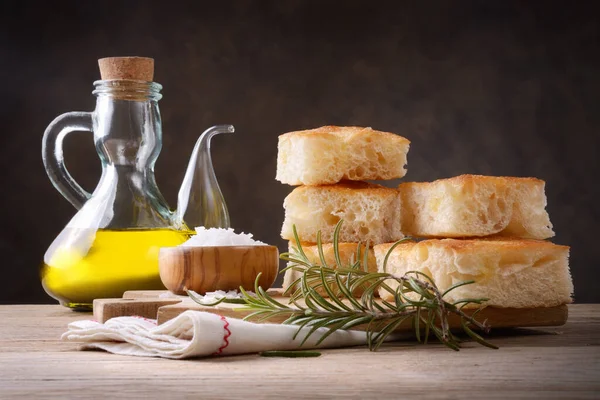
(83, 264)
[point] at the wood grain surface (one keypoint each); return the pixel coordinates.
(206, 269)
(548, 363)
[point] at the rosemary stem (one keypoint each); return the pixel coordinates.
(343, 296)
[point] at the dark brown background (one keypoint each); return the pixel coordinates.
(499, 88)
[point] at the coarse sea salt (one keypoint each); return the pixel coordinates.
(220, 237)
(209, 297)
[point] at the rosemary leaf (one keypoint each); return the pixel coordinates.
(336, 250)
(334, 326)
(290, 353)
(332, 295)
(320, 250)
(455, 286)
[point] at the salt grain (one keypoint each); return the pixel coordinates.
(221, 237)
(211, 297)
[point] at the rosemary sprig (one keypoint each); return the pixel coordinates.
(324, 297)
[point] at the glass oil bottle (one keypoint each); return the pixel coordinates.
(111, 245)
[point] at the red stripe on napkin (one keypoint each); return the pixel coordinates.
(226, 335)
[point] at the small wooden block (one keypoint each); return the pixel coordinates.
(105, 309)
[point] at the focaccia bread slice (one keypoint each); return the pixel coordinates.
(512, 273)
(371, 213)
(347, 252)
(475, 205)
(331, 154)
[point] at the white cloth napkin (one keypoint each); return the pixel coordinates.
(198, 334)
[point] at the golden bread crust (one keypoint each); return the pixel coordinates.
(345, 132)
(349, 187)
(466, 179)
(469, 246)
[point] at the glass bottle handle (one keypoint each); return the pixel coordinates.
(52, 154)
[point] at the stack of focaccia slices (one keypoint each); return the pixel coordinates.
(488, 229)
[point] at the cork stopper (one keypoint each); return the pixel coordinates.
(131, 68)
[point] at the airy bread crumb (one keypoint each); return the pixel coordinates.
(509, 272)
(474, 205)
(331, 154)
(370, 213)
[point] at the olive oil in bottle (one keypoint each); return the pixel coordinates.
(83, 264)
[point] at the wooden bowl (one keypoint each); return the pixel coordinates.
(207, 269)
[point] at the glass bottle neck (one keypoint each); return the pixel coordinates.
(128, 138)
(127, 124)
(128, 90)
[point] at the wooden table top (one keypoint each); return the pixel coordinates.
(548, 363)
